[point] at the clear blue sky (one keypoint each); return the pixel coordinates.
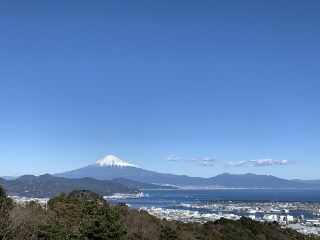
(155, 81)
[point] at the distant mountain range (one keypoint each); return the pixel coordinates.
(2, 180)
(9, 177)
(49, 186)
(307, 181)
(111, 167)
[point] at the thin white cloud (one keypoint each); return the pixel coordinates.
(259, 163)
(269, 162)
(173, 158)
(206, 162)
(236, 164)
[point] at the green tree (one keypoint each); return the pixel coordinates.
(254, 226)
(82, 214)
(6, 205)
(103, 223)
(167, 233)
(53, 229)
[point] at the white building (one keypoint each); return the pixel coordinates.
(270, 217)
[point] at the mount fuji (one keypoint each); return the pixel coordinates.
(112, 167)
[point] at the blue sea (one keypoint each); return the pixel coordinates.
(167, 198)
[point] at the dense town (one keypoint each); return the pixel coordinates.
(287, 214)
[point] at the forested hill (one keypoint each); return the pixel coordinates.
(2, 180)
(50, 186)
(85, 215)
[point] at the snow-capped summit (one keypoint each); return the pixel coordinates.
(113, 161)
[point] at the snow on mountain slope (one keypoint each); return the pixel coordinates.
(113, 161)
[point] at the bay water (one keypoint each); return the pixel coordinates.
(167, 198)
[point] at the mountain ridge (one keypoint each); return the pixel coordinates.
(249, 180)
(49, 186)
(315, 181)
